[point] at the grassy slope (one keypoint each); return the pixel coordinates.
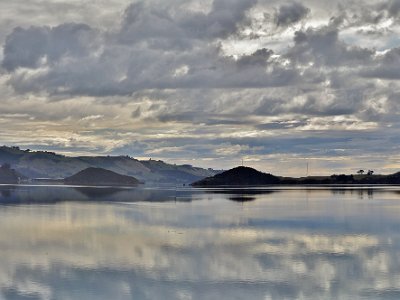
(41, 164)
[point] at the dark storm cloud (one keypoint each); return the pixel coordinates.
(291, 13)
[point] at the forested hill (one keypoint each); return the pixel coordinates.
(43, 164)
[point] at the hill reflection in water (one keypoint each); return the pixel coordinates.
(47, 194)
(79, 243)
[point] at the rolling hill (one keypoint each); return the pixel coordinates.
(43, 164)
(239, 176)
(100, 176)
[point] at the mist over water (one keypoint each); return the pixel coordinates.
(88, 243)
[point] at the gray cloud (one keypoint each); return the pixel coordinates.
(15, 50)
(386, 67)
(76, 59)
(108, 74)
(259, 57)
(394, 8)
(373, 14)
(323, 46)
(164, 24)
(30, 47)
(291, 13)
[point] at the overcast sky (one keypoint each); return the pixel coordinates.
(276, 83)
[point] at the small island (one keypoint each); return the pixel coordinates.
(100, 177)
(245, 176)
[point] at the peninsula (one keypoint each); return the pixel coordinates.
(245, 176)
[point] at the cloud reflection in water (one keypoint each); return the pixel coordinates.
(294, 244)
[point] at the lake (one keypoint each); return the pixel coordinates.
(164, 243)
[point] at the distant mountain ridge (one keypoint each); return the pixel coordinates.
(44, 164)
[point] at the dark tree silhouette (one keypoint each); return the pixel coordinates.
(360, 172)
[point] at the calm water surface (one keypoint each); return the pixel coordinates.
(88, 243)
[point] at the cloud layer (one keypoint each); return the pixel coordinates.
(212, 81)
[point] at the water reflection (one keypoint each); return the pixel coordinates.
(54, 194)
(292, 244)
(242, 198)
(362, 193)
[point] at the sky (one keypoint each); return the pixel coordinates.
(206, 82)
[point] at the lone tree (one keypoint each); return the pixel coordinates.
(370, 172)
(360, 172)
